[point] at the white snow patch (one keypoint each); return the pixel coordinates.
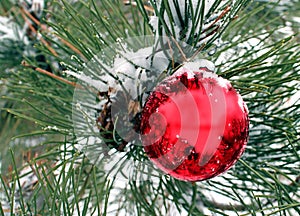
(296, 19)
(183, 7)
(286, 30)
(9, 29)
(200, 63)
(98, 84)
(35, 6)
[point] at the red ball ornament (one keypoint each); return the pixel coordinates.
(194, 125)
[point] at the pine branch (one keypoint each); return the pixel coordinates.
(266, 74)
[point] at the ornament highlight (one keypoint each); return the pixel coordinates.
(194, 125)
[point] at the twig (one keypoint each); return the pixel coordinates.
(70, 46)
(36, 21)
(24, 63)
(36, 33)
(225, 11)
(197, 51)
(179, 48)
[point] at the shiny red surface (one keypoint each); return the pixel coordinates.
(194, 127)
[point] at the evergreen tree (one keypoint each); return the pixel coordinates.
(62, 62)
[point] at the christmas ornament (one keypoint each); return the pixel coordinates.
(194, 124)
